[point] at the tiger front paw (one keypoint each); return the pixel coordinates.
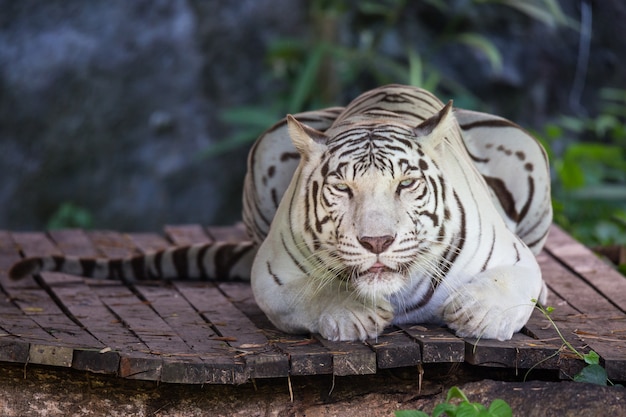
(489, 308)
(355, 321)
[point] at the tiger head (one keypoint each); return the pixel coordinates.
(372, 200)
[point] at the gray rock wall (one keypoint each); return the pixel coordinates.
(109, 104)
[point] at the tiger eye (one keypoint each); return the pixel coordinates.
(407, 182)
(341, 187)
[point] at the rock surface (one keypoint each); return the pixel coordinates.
(109, 104)
(45, 392)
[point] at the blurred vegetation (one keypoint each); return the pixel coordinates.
(589, 171)
(355, 45)
(70, 215)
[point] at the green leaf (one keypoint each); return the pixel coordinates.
(444, 408)
(554, 131)
(592, 358)
(484, 45)
(415, 69)
(70, 215)
(467, 409)
(305, 83)
(593, 374)
(236, 141)
(249, 116)
(410, 413)
(613, 94)
(500, 408)
(455, 392)
(570, 174)
(604, 123)
(432, 81)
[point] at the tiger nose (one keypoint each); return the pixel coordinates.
(376, 244)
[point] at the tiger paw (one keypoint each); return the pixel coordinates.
(354, 321)
(488, 308)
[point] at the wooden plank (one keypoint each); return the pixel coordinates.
(235, 328)
(143, 367)
(91, 310)
(578, 293)
(438, 344)
(605, 279)
(51, 355)
(543, 331)
(38, 305)
(15, 322)
(178, 363)
(18, 329)
(603, 327)
(235, 233)
(350, 358)
(34, 243)
(189, 234)
(112, 244)
(395, 349)
(521, 352)
(73, 242)
(175, 310)
(64, 289)
(220, 364)
(13, 348)
(609, 342)
(30, 243)
(600, 324)
(159, 337)
(36, 302)
(241, 296)
(231, 368)
(148, 242)
(87, 304)
(307, 356)
(563, 313)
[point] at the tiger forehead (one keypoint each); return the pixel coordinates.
(386, 158)
(377, 133)
(389, 147)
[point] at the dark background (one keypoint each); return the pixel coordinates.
(128, 114)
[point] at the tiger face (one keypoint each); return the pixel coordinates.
(375, 204)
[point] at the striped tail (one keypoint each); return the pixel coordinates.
(203, 261)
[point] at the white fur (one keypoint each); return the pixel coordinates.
(305, 288)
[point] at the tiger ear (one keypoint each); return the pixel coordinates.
(305, 138)
(437, 125)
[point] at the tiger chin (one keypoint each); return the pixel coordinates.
(388, 220)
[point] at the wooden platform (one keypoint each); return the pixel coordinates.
(206, 333)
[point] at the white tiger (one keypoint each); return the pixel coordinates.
(395, 209)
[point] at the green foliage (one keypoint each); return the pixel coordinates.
(593, 373)
(457, 405)
(355, 45)
(588, 157)
(70, 215)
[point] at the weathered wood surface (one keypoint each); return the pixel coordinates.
(206, 332)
